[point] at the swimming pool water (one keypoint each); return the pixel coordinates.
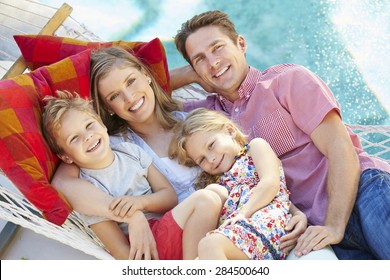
(345, 42)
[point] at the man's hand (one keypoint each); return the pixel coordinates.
(316, 238)
(186, 75)
(296, 226)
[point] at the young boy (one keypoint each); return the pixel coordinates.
(78, 136)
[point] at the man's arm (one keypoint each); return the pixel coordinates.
(332, 139)
(186, 75)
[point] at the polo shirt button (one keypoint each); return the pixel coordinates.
(236, 110)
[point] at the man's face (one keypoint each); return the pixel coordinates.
(220, 62)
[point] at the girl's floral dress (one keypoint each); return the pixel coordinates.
(258, 236)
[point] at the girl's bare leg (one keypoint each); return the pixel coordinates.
(197, 215)
(216, 246)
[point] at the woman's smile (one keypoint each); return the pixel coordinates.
(137, 105)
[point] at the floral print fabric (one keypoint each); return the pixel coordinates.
(258, 236)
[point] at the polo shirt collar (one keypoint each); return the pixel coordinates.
(245, 90)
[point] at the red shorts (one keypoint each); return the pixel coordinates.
(168, 235)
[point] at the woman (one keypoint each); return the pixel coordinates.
(126, 95)
(134, 108)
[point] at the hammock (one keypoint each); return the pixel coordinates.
(13, 206)
(29, 17)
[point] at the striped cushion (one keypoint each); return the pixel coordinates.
(25, 157)
(40, 50)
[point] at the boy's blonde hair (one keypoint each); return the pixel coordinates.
(200, 120)
(55, 109)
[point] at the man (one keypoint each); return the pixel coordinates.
(344, 193)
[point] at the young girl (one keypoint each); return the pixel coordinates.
(248, 176)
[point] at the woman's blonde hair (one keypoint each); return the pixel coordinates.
(200, 120)
(103, 61)
(54, 111)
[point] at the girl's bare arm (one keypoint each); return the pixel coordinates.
(267, 165)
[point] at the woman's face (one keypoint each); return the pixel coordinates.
(127, 93)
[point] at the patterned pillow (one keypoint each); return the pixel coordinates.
(40, 50)
(26, 159)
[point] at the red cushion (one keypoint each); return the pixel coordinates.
(26, 159)
(40, 50)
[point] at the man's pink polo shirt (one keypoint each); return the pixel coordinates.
(283, 105)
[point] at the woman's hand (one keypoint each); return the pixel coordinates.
(296, 227)
(142, 243)
(126, 205)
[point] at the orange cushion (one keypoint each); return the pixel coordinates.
(26, 158)
(40, 50)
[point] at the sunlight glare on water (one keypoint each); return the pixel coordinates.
(345, 42)
(365, 29)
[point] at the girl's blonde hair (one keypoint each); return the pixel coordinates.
(103, 61)
(200, 120)
(54, 111)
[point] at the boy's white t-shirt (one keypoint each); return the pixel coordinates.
(126, 175)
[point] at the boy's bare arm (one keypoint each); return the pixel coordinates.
(162, 199)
